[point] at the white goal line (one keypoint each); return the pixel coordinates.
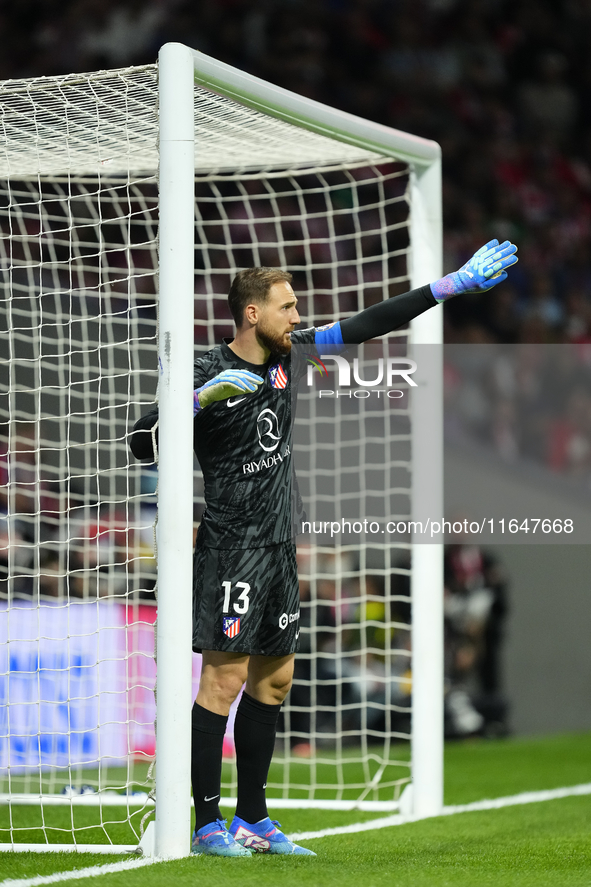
(91, 871)
(475, 806)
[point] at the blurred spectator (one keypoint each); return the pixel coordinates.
(20, 487)
(577, 310)
(548, 103)
(542, 303)
(475, 609)
(524, 401)
(122, 32)
(569, 443)
(15, 559)
(51, 577)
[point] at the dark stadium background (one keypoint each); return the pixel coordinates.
(505, 87)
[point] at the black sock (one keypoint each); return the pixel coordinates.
(206, 764)
(254, 735)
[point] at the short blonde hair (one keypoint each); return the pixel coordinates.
(253, 285)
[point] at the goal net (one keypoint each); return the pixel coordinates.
(79, 201)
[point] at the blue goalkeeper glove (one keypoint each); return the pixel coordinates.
(486, 268)
(225, 384)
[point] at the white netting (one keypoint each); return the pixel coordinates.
(343, 233)
(85, 124)
(77, 571)
(350, 705)
(78, 217)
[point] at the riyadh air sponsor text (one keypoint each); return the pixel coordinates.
(265, 463)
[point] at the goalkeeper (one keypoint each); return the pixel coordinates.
(246, 596)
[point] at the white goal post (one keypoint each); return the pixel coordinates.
(179, 68)
(128, 200)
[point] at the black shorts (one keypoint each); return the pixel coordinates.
(246, 600)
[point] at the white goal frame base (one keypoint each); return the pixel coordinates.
(122, 801)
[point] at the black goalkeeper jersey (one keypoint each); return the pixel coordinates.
(243, 445)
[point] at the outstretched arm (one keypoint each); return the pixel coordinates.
(486, 269)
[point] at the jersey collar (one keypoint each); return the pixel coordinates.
(230, 355)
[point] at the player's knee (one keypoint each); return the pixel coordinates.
(229, 685)
(222, 685)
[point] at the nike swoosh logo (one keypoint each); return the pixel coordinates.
(212, 798)
(297, 635)
(233, 403)
(265, 785)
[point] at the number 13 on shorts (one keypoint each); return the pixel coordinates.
(242, 602)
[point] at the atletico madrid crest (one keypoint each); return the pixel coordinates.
(231, 626)
(277, 376)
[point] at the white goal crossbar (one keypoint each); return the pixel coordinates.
(179, 68)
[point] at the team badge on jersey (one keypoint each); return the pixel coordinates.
(231, 626)
(277, 376)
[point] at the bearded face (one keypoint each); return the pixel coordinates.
(276, 341)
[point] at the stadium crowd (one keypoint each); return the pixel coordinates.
(525, 402)
(503, 85)
(57, 541)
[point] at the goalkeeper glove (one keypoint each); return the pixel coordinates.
(225, 384)
(485, 269)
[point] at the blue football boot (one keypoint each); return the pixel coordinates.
(265, 837)
(214, 839)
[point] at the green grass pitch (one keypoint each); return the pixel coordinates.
(547, 843)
